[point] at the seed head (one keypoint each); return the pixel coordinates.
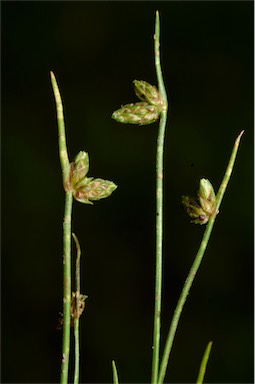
(139, 113)
(203, 207)
(194, 210)
(94, 189)
(148, 93)
(79, 169)
(206, 196)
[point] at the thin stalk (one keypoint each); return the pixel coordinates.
(162, 89)
(66, 287)
(228, 172)
(159, 208)
(203, 365)
(63, 155)
(115, 373)
(76, 320)
(195, 266)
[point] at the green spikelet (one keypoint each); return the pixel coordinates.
(140, 113)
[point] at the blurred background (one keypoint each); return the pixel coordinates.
(96, 49)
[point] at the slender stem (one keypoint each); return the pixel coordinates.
(76, 320)
(195, 266)
(162, 89)
(203, 365)
(66, 287)
(228, 172)
(63, 155)
(115, 373)
(182, 299)
(159, 210)
(77, 350)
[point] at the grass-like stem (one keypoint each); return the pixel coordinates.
(66, 287)
(159, 207)
(115, 373)
(63, 155)
(77, 317)
(203, 365)
(228, 172)
(195, 266)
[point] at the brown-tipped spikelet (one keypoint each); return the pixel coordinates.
(94, 189)
(194, 210)
(148, 93)
(203, 207)
(87, 189)
(79, 169)
(206, 197)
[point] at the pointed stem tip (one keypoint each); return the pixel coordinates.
(52, 75)
(239, 136)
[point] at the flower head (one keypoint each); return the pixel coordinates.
(87, 189)
(148, 93)
(201, 208)
(139, 113)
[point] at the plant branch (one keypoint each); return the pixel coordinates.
(195, 266)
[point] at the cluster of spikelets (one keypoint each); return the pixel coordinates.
(87, 189)
(146, 111)
(203, 207)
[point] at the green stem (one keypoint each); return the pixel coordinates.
(76, 320)
(162, 89)
(115, 373)
(63, 155)
(77, 350)
(159, 209)
(66, 287)
(203, 365)
(228, 172)
(195, 266)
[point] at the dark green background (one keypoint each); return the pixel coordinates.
(96, 50)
